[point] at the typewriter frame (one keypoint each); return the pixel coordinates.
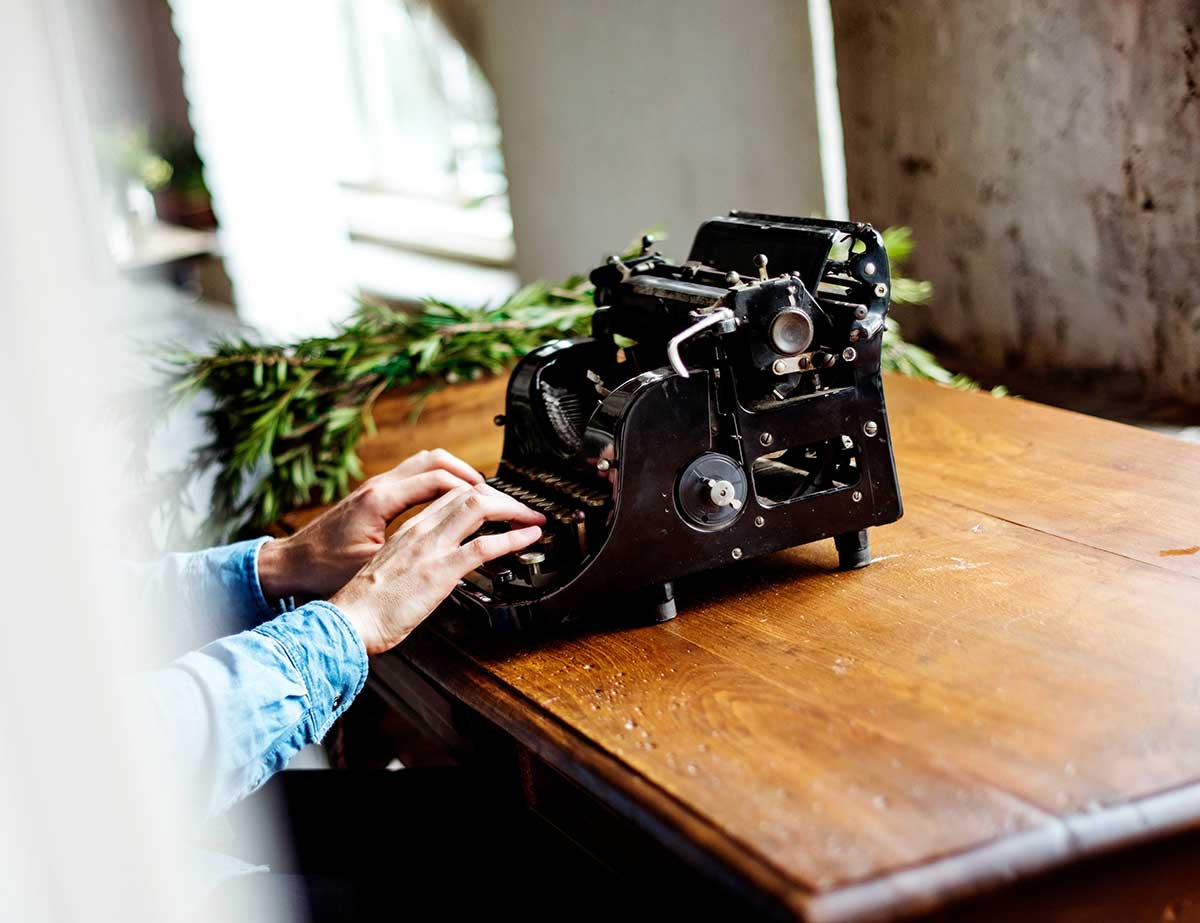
(651, 427)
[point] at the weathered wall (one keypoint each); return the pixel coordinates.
(1047, 155)
(620, 115)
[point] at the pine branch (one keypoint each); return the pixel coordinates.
(285, 420)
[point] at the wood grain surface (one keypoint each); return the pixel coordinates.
(1014, 682)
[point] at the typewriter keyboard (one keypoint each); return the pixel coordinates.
(576, 521)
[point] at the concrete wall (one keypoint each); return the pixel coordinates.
(1047, 156)
(624, 114)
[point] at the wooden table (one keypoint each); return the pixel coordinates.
(1012, 687)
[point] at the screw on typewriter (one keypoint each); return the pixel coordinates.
(722, 409)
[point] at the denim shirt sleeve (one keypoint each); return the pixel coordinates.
(208, 594)
(230, 715)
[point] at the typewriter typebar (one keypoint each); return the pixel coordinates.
(722, 409)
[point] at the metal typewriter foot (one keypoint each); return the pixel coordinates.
(854, 550)
(660, 603)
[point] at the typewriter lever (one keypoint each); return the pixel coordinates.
(718, 317)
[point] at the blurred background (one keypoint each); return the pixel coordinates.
(286, 157)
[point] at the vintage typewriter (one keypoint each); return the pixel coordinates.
(722, 409)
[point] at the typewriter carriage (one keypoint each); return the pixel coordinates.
(716, 413)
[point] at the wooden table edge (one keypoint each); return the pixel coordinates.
(903, 893)
(1058, 844)
(622, 788)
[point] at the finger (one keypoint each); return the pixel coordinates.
(489, 547)
(467, 509)
(390, 496)
(438, 459)
(467, 513)
(433, 514)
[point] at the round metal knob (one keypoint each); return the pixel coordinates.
(791, 331)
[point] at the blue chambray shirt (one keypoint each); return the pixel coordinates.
(266, 683)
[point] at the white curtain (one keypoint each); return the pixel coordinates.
(85, 832)
(266, 83)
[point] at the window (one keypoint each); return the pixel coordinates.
(423, 171)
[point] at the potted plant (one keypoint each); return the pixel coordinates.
(184, 199)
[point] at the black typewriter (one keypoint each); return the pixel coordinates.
(721, 409)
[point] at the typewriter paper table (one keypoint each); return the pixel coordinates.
(1010, 690)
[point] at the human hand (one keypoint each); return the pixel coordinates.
(317, 561)
(424, 560)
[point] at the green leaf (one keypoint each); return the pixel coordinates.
(898, 242)
(426, 351)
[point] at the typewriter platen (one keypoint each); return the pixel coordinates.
(722, 409)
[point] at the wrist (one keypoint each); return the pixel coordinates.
(354, 601)
(277, 569)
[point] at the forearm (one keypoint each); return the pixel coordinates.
(228, 716)
(204, 595)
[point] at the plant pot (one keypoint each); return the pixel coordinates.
(189, 209)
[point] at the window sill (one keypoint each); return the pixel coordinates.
(479, 236)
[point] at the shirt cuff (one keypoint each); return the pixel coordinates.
(329, 654)
(253, 583)
(237, 566)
